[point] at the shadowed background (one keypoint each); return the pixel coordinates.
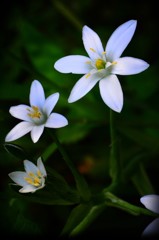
(34, 34)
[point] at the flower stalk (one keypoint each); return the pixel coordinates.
(112, 200)
(81, 184)
(114, 153)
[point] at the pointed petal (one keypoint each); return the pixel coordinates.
(50, 103)
(30, 167)
(18, 177)
(41, 167)
(18, 131)
(129, 66)
(56, 120)
(92, 43)
(73, 64)
(83, 86)
(28, 188)
(37, 96)
(152, 230)
(111, 92)
(36, 132)
(151, 202)
(20, 112)
(119, 40)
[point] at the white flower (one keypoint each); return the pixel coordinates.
(102, 65)
(151, 202)
(32, 179)
(36, 116)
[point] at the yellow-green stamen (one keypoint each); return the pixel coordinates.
(92, 49)
(34, 179)
(100, 64)
(88, 75)
(34, 113)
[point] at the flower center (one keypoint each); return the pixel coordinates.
(34, 179)
(100, 64)
(34, 112)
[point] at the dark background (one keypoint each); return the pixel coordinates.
(34, 34)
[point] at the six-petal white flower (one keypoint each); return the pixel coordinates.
(36, 116)
(103, 65)
(151, 202)
(32, 179)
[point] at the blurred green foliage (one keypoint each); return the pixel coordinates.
(34, 34)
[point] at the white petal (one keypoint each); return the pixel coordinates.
(56, 120)
(18, 177)
(41, 167)
(83, 86)
(119, 40)
(50, 103)
(28, 188)
(111, 92)
(129, 66)
(92, 43)
(20, 112)
(151, 202)
(36, 132)
(30, 167)
(152, 230)
(37, 96)
(18, 131)
(73, 64)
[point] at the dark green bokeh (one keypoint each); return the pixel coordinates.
(34, 34)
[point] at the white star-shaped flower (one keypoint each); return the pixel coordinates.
(103, 65)
(32, 179)
(36, 116)
(151, 202)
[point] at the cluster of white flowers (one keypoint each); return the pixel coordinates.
(35, 117)
(101, 65)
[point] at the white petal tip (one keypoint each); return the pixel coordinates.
(71, 99)
(35, 140)
(147, 65)
(118, 110)
(8, 138)
(133, 21)
(60, 67)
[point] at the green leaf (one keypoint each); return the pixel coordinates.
(140, 84)
(76, 217)
(41, 51)
(91, 215)
(81, 217)
(16, 151)
(19, 220)
(81, 184)
(142, 181)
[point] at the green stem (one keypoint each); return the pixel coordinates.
(141, 181)
(82, 185)
(112, 200)
(68, 14)
(114, 154)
